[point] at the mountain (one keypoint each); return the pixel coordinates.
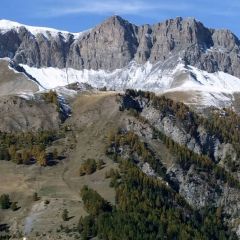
(207, 49)
(119, 132)
(178, 55)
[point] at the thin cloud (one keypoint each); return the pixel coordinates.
(113, 7)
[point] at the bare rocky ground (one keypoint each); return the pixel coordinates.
(20, 114)
(12, 82)
(18, 110)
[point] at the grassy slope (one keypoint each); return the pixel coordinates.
(61, 184)
(94, 115)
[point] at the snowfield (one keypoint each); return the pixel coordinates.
(216, 89)
(147, 77)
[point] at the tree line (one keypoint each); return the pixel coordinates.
(29, 147)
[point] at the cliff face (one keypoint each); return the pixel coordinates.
(189, 132)
(116, 42)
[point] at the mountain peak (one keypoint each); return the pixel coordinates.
(187, 38)
(116, 19)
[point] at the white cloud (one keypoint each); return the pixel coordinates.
(114, 7)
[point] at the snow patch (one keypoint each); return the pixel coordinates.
(26, 96)
(6, 25)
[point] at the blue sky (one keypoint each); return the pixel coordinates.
(78, 15)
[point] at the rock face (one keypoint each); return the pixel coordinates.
(40, 51)
(110, 45)
(116, 42)
(201, 141)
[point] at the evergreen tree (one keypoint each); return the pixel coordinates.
(55, 153)
(5, 201)
(100, 164)
(65, 215)
(35, 197)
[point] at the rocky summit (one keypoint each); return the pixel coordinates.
(116, 42)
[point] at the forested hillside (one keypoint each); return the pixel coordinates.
(130, 165)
